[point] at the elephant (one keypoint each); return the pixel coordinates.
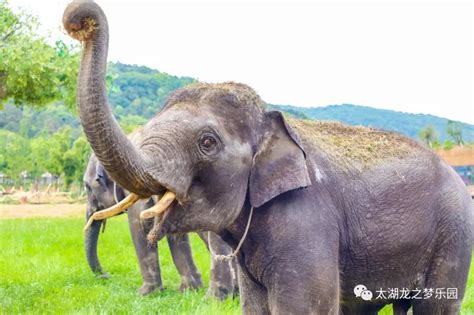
(102, 192)
(313, 210)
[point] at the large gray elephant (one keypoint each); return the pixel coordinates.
(314, 210)
(102, 192)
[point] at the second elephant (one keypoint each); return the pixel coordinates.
(102, 193)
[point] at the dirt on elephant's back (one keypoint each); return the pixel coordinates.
(355, 147)
(41, 211)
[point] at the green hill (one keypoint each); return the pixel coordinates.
(139, 90)
(137, 93)
(406, 123)
(51, 139)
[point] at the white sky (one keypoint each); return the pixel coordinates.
(411, 56)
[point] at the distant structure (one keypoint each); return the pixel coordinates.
(462, 160)
(46, 178)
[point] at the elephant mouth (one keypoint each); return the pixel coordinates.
(161, 227)
(161, 207)
(159, 210)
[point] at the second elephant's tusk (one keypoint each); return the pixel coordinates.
(160, 206)
(114, 210)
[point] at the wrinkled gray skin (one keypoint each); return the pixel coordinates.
(321, 226)
(100, 195)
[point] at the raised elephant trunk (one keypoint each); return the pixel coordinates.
(85, 21)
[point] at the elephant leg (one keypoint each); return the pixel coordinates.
(448, 270)
(362, 309)
(253, 296)
(447, 277)
(223, 277)
(147, 254)
(183, 260)
(401, 307)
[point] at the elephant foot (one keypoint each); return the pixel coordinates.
(219, 292)
(148, 288)
(190, 283)
(103, 275)
(236, 291)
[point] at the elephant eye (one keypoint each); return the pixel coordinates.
(207, 144)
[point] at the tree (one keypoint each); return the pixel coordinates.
(428, 135)
(131, 122)
(454, 131)
(75, 161)
(49, 152)
(15, 154)
(448, 145)
(33, 72)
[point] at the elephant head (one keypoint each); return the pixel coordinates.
(102, 193)
(213, 145)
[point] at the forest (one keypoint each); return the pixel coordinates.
(40, 131)
(49, 139)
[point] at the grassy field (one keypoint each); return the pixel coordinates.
(43, 270)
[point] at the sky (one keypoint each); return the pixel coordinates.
(410, 56)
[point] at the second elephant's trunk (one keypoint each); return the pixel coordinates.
(91, 238)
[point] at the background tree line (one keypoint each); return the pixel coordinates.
(39, 128)
(40, 131)
(430, 136)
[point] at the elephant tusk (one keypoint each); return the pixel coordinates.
(114, 210)
(160, 207)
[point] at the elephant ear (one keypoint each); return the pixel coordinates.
(280, 162)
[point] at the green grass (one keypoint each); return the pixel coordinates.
(43, 270)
